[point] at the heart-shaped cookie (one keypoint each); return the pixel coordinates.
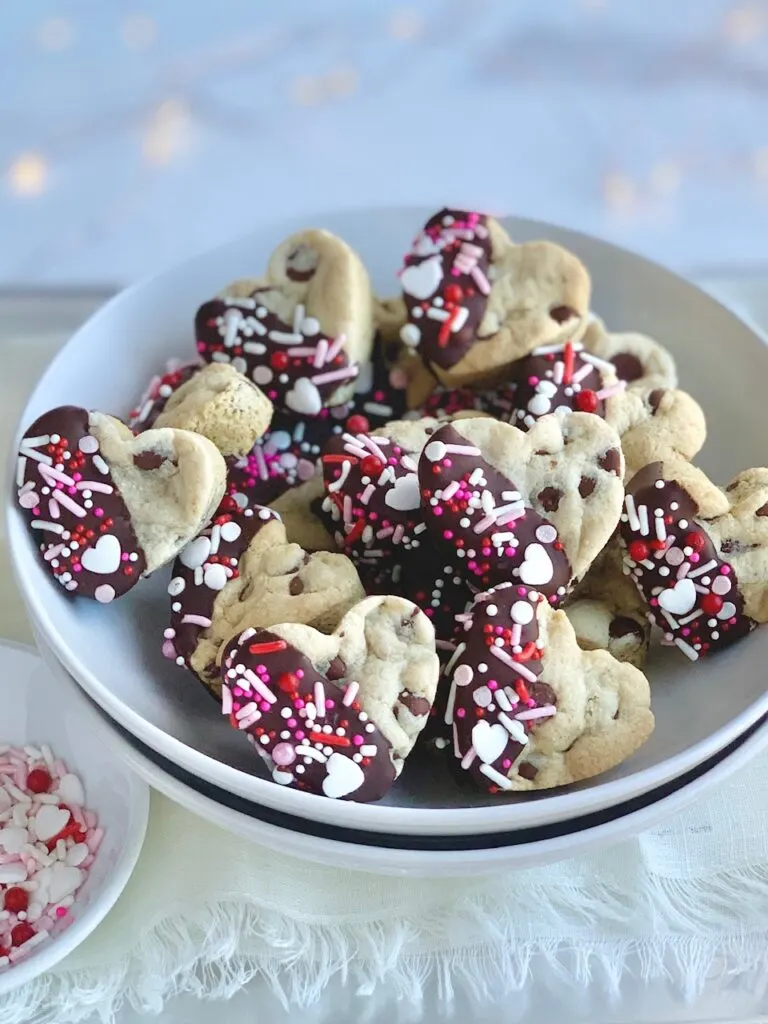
(302, 331)
(537, 507)
(241, 571)
(107, 507)
(335, 715)
(527, 708)
(372, 504)
(606, 610)
(222, 405)
(698, 556)
(650, 419)
(476, 302)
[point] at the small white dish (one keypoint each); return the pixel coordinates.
(581, 836)
(114, 652)
(35, 710)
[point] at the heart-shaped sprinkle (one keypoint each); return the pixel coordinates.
(49, 821)
(489, 741)
(421, 280)
(678, 599)
(71, 791)
(536, 569)
(64, 880)
(13, 840)
(104, 557)
(196, 552)
(304, 398)
(343, 776)
(404, 493)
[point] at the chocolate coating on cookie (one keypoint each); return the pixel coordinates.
(496, 694)
(157, 393)
(297, 366)
(477, 515)
(78, 517)
(562, 379)
(445, 286)
(201, 572)
(692, 591)
(310, 730)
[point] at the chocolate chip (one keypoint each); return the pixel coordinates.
(541, 451)
(610, 461)
(301, 264)
(732, 486)
(148, 460)
(762, 511)
(628, 366)
(622, 625)
(418, 706)
(655, 398)
(560, 314)
(549, 499)
(527, 771)
(730, 546)
(587, 484)
(296, 586)
(336, 670)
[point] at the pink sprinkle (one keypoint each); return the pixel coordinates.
(330, 703)
(521, 591)
(694, 557)
(447, 463)
(98, 512)
(685, 631)
(725, 570)
(299, 673)
(261, 668)
(358, 741)
(124, 556)
(291, 723)
(237, 691)
(61, 911)
(300, 734)
(460, 712)
(447, 534)
(265, 705)
(437, 510)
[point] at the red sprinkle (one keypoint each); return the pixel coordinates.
(330, 739)
(358, 424)
(21, 933)
(638, 550)
(586, 401)
(38, 780)
(270, 647)
(568, 363)
(16, 899)
(711, 604)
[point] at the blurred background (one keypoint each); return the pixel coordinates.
(135, 134)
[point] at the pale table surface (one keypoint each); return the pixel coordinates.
(32, 326)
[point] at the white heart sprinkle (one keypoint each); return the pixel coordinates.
(196, 552)
(422, 279)
(215, 576)
(77, 854)
(680, 599)
(344, 776)
(489, 741)
(435, 451)
(404, 495)
(13, 840)
(304, 398)
(71, 790)
(261, 375)
(49, 821)
(521, 612)
(410, 335)
(104, 557)
(104, 594)
(537, 566)
(727, 611)
(65, 879)
(721, 585)
(230, 531)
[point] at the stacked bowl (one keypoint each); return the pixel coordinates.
(710, 715)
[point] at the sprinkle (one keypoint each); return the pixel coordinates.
(350, 693)
(513, 727)
(468, 758)
(545, 711)
(283, 338)
(332, 375)
(642, 513)
(100, 464)
(269, 647)
(44, 524)
(196, 620)
(320, 699)
(503, 657)
(456, 654)
(700, 570)
(612, 390)
(491, 773)
(450, 704)
(601, 364)
(568, 363)
(687, 650)
(629, 504)
(258, 686)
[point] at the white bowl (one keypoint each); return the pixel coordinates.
(114, 651)
(38, 710)
(245, 819)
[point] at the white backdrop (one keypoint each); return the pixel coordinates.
(134, 133)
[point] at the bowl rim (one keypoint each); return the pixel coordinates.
(374, 817)
(46, 957)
